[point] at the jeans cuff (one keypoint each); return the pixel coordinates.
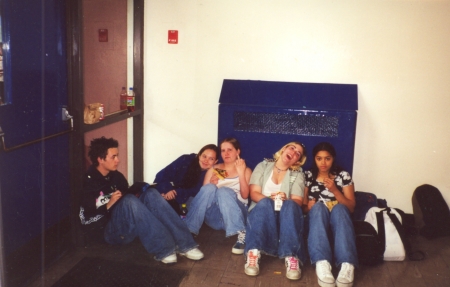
(188, 249)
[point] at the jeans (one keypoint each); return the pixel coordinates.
(276, 233)
(152, 219)
(326, 228)
(219, 208)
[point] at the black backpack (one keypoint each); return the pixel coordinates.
(369, 245)
(431, 212)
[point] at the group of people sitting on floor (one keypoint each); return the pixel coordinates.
(280, 193)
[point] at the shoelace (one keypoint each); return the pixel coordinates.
(345, 271)
(293, 263)
(241, 237)
(252, 259)
(324, 269)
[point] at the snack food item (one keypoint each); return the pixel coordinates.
(220, 173)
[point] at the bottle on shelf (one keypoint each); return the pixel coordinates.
(184, 211)
(123, 99)
(130, 100)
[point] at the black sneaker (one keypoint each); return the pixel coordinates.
(239, 246)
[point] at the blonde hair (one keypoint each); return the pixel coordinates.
(301, 161)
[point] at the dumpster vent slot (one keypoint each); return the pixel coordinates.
(291, 124)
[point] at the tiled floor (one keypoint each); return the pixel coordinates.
(221, 268)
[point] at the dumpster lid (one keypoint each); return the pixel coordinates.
(309, 96)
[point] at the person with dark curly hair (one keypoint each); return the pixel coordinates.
(112, 211)
(330, 200)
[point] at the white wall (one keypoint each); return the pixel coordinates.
(397, 52)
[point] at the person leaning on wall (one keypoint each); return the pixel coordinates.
(330, 200)
(222, 202)
(112, 211)
(275, 220)
(180, 181)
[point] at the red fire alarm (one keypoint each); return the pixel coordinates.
(103, 35)
(173, 36)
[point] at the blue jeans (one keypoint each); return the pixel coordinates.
(153, 220)
(276, 233)
(331, 229)
(219, 208)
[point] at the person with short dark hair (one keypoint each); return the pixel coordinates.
(330, 200)
(110, 207)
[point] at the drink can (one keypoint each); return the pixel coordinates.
(101, 109)
(278, 202)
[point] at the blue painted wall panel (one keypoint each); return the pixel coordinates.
(264, 116)
(34, 179)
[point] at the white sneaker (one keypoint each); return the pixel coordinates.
(293, 271)
(172, 258)
(324, 276)
(193, 254)
(346, 275)
(252, 262)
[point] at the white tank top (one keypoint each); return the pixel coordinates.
(270, 186)
(233, 183)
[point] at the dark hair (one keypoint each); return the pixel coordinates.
(194, 170)
(99, 148)
(325, 146)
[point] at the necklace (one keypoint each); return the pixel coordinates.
(280, 170)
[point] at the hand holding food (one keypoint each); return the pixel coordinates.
(220, 173)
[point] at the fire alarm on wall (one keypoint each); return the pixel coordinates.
(173, 36)
(103, 35)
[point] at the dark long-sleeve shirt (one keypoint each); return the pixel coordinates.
(96, 192)
(171, 178)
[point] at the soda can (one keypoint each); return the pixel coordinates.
(101, 109)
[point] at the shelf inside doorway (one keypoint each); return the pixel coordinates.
(112, 118)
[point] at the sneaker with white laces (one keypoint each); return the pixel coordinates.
(346, 275)
(193, 254)
(239, 246)
(324, 276)
(293, 271)
(252, 262)
(172, 258)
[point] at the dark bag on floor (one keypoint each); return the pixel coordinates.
(364, 201)
(369, 246)
(431, 212)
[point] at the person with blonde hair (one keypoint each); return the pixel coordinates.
(275, 220)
